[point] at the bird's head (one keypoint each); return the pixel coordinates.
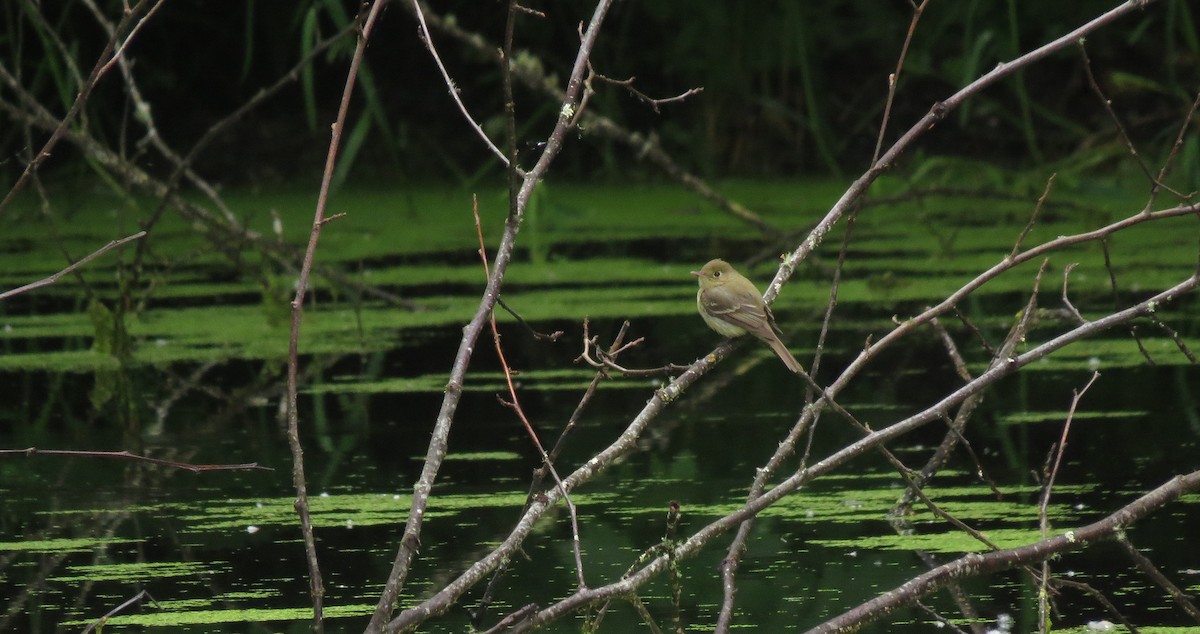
(715, 273)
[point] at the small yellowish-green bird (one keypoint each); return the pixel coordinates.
(732, 306)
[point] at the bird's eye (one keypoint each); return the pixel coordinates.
(717, 274)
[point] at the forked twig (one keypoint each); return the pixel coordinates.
(602, 360)
(380, 619)
(131, 21)
(1043, 520)
(654, 103)
(515, 406)
(1155, 183)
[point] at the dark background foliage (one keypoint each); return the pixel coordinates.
(789, 87)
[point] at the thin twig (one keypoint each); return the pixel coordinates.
(103, 64)
(1037, 208)
(1062, 447)
(1043, 520)
(452, 88)
(894, 78)
(943, 622)
(1065, 296)
(1155, 183)
(541, 336)
(98, 624)
(1100, 598)
(1162, 171)
(316, 587)
(75, 265)
(439, 437)
(654, 103)
(1148, 568)
(125, 455)
(1116, 295)
(515, 406)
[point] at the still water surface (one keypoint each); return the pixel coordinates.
(220, 551)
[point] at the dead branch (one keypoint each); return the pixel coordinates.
(74, 265)
(975, 564)
(438, 439)
(125, 455)
(316, 586)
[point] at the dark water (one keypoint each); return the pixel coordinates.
(701, 456)
(221, 551)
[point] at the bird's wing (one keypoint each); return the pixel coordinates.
(771, 321)
(744, 310)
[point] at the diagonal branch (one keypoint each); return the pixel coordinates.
(131, 21)
(445, 419)
(662, 397)
(74, 265)
(977, 564)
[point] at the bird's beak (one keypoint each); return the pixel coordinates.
(696, 273)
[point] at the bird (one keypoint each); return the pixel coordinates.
(732, 306)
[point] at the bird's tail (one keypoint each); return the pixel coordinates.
(785, 355)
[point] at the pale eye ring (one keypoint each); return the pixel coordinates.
(717, 274)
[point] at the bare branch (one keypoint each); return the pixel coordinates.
(515, 405)
(1148, 568)
(894, 78)
(654, 103)
(1155, 183)
(977, 564)
(130, 23)
(645, 147)
(125, 455)
(438, 439)
(98, 624)
(452, 88)
(316, 587)
(1033, 217)
(75, 265)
